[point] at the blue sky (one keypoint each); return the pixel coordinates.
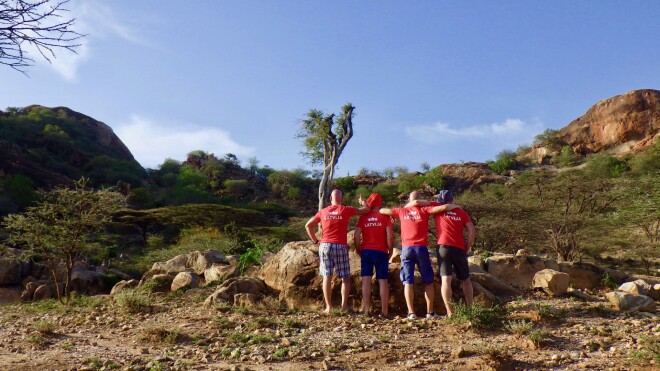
(432, 81)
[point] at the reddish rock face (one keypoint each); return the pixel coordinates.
(617, 125)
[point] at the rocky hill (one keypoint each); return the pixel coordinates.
(624, 123)
(52, 146)
(618, 125)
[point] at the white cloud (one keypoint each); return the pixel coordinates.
(151, 143)
(97, 21)
(511, 129)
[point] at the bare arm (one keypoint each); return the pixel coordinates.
(386, 211)
(309, 227)
(363, 210)
(472, 232)
(390, 240)
(418, 203)
(357, 240)
(443, 208)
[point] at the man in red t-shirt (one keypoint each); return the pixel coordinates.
(374, 240)
(333, 247)
(414, 250)
(452, 249)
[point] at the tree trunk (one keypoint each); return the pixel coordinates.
(53, 271)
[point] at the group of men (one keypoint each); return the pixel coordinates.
(374, 240)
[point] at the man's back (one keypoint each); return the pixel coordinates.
(450, 226)
(373, 227)
(414, 225)
(334, 222)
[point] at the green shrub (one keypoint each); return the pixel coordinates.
(250, 257)
(539, 336)
(519, 328)
(566, 158)
(477, 316)
(44, 327)
(133, 301)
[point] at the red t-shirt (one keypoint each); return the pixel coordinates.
(374, 230)
(334, 222)
(449, 226)
(414, 225)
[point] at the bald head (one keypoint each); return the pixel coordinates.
(336, 197)
(413, 196)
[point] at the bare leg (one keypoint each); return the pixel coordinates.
(366, 294)
(446, 294)
(409, 294)
(384, 296)
(468, 291)
(327, 292)
(345, 290)
(429, 295)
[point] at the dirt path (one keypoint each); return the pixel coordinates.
(179, 333)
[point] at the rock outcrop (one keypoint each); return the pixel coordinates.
(623, 123)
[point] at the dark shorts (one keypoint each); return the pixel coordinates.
(452, 259)
(375, 259)
(411, 255)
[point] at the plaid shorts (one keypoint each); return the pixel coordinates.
(334, 256)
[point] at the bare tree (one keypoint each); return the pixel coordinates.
(42, 24)
(325, 140)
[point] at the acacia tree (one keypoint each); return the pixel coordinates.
(42, 24)
(568, 204)
(61, 227)
(325, 139)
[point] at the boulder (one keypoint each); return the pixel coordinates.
(124, 284)
(246, 300)
(196, 262)
(294, 273)
(495, 285)
(552, 282)
(220, 272)
(185, 280)
(581, 294)
(86, 282)
(10, 271)
(638, 287)
(518, 271)
(476, 264)
(28, 292)
(45, 291)
(583, 275)
(623, 301)
(655, 292)
(237, 285)
(158, 282)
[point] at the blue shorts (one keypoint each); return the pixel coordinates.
(411, 255)
(375, 259)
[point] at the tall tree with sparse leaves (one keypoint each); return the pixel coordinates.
(325, 139)
(61, 228)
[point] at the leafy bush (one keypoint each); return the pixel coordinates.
(519, 328)
(478, 316)
(505, 161)
(566, 157)
(539, 336)
(605, 166)
(44, 327)
(250, 257)
(133, 301)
